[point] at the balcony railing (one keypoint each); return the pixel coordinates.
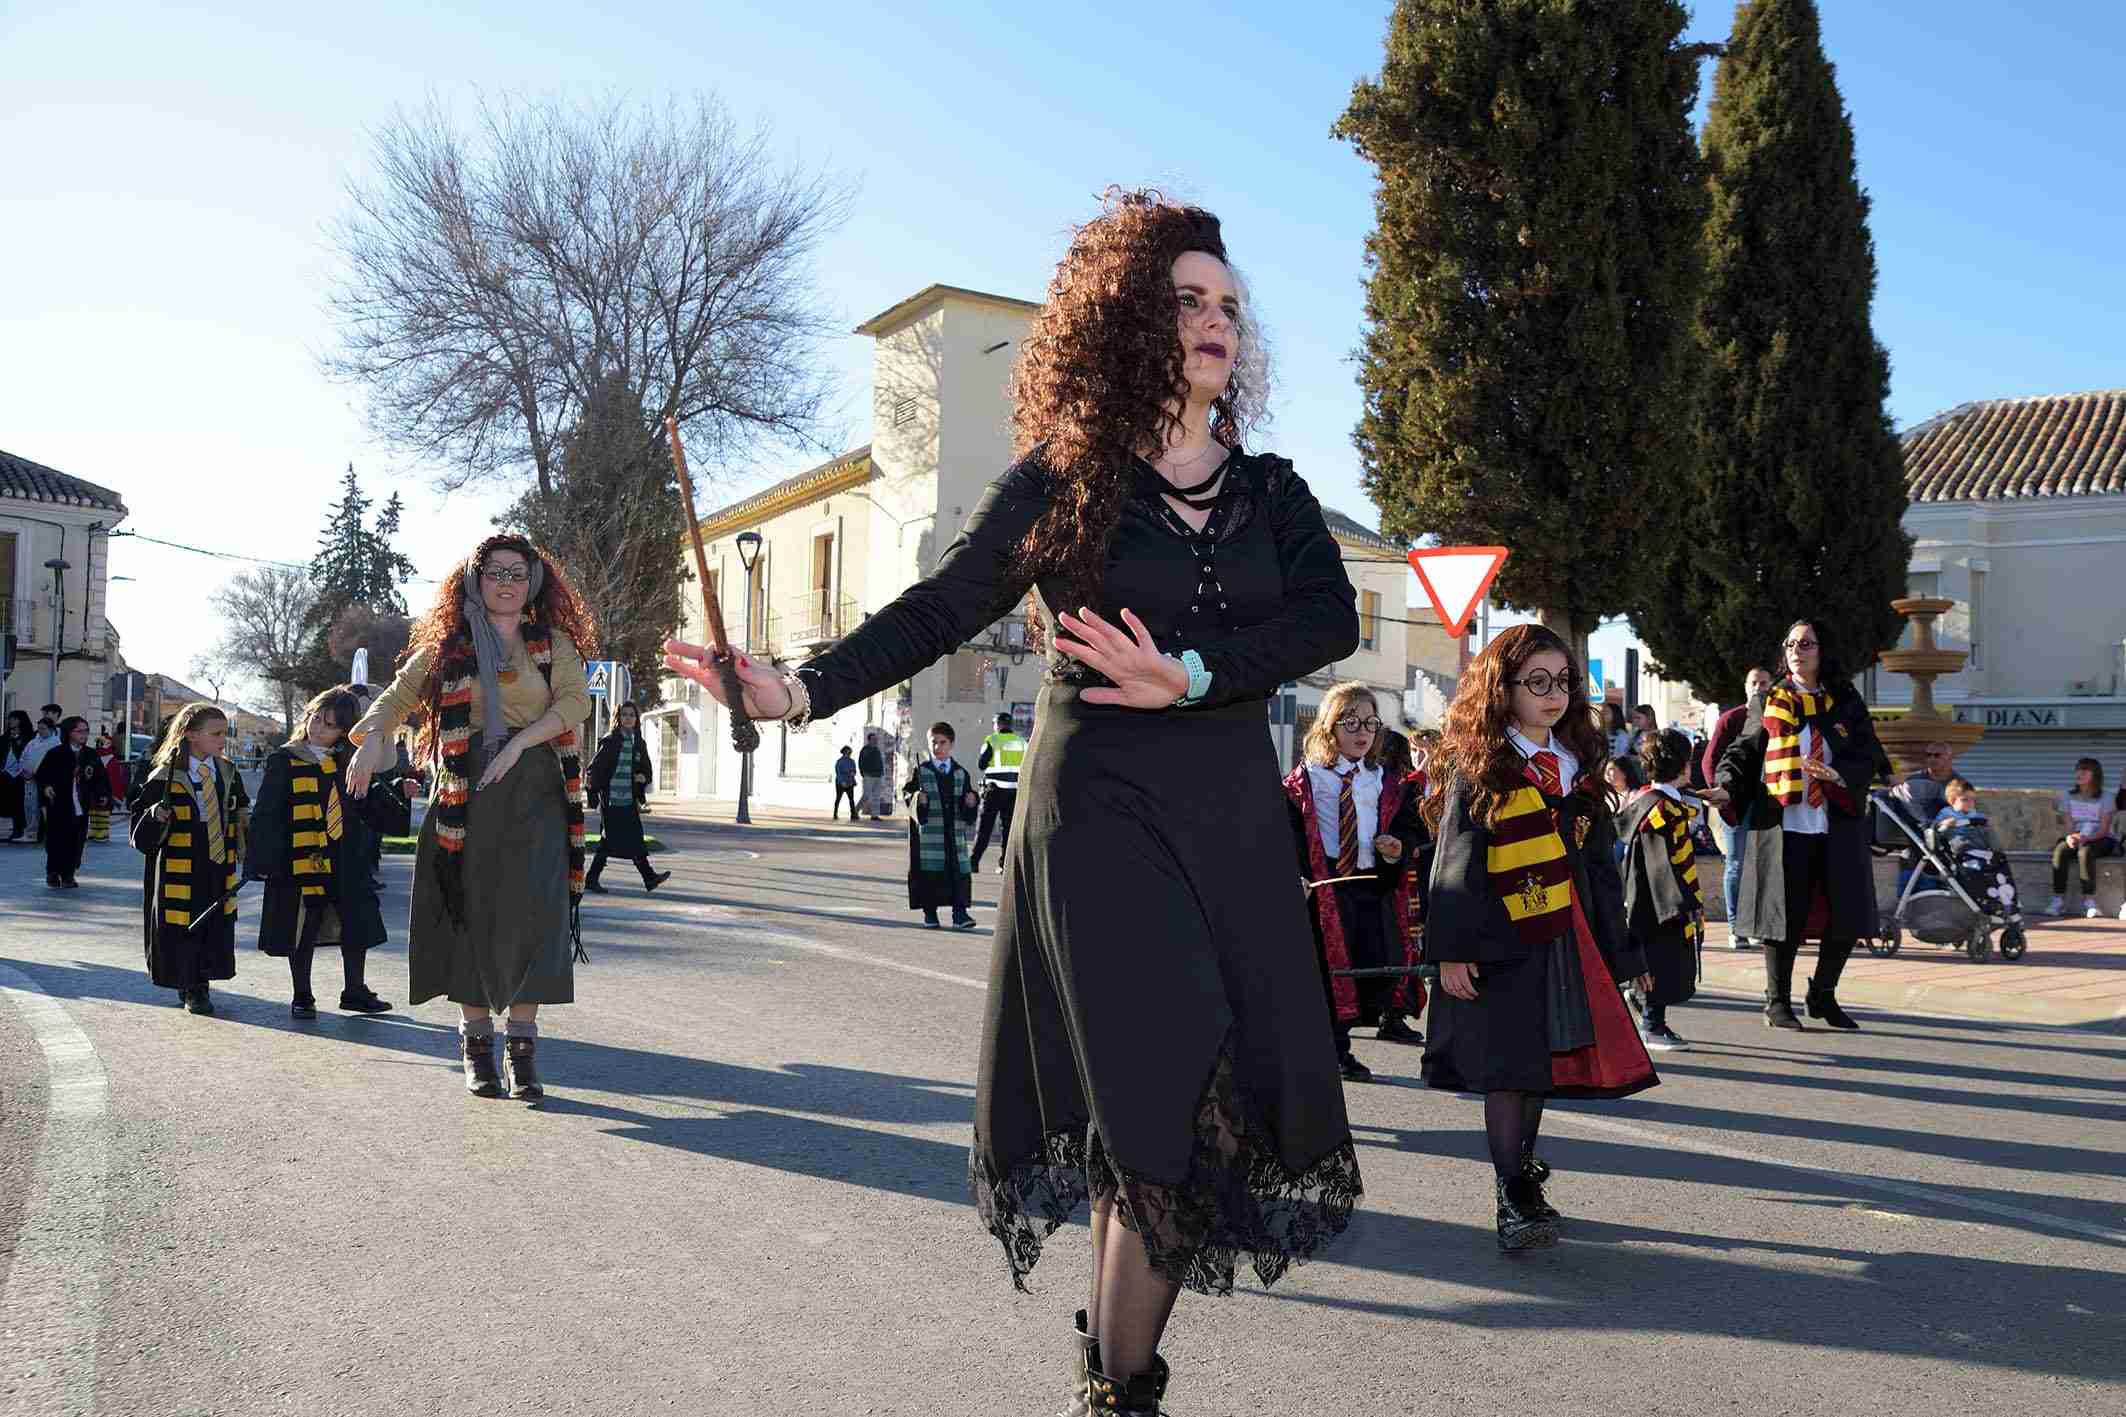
(815, 618)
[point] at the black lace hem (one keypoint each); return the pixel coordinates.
(1238, 1199)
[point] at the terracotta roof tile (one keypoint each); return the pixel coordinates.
(34, 482)
(2055, 445)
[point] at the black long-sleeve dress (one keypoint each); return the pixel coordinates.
(1155, 1027)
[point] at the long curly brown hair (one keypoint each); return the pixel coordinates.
(1473, 746)
(1099, 377)
(557, 605)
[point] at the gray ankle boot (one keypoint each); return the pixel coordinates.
(1084, 1359)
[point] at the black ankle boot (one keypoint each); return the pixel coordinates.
(1822, 998)
(1519, 1227)
(481, 1079)
(523, 1077)
(1084, 1361)
(1534, 1167)
(199, 1001)
(1779, 986)
(1137, 1397)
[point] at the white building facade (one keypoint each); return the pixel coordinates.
(53, 618)
(2018, 515)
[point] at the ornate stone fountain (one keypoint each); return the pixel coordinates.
(1906, 736)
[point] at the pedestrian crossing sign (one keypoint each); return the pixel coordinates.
(602, 673)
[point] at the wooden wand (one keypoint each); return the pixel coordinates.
(745, 737)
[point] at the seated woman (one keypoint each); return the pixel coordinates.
(2086, 839)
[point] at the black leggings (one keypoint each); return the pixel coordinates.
(2091, 849)
(841, 792)
(353, 963)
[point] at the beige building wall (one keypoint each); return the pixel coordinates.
(34, 532)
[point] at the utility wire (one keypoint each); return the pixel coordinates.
(239, 556)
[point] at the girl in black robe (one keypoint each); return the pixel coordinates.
(1155, 1035)
(1525, 918)
(310, 845)
(188, 820)
(1662, 904)
(619, 783)
(61, 788)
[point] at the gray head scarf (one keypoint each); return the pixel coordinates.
(487, 647)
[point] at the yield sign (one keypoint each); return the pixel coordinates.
(1455, 579)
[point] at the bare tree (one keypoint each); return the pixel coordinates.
(264, 617)
(492, 280)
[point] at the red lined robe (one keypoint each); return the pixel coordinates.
(1328, 920)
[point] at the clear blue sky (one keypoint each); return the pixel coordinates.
(171, 168)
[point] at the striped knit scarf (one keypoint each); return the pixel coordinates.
(1785, 710)
(1529, 872)
(459, 681)
(1672, 820)
(943, 793)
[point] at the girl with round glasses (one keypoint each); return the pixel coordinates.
(1526, 914)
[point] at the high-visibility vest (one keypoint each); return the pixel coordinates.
(1006, 752)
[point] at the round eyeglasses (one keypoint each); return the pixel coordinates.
(1353, 724)
(1542, 683)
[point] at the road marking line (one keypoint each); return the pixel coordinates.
(1676, 1142)
(52, 1305)
(786, 940)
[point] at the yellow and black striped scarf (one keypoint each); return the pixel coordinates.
(1786, 708)
(1529, 872)
(315, 820)
(1672, 820)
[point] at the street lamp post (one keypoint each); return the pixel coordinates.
(58, 566)
(748, 555)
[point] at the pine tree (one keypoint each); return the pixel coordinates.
(356, 567)
(1799, 490)
(1532, 272)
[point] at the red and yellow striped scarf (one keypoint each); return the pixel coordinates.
(1786, 708)
(1529, 872)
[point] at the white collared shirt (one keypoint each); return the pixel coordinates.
(1568, 765)
(1801, 818)
(1327, 786)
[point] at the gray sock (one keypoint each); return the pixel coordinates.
(521, 1028)
(476, 1028)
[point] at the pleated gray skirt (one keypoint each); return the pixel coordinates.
(513, 947)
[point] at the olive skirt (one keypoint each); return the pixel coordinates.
(514, 946)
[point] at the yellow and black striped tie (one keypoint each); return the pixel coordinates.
(210, 810)
(334, 824)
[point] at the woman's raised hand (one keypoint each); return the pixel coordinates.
(368, 757)
(1143, 677)
(767, 697)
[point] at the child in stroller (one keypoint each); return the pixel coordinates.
(1966, 842)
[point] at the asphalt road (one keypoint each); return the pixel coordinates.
(746, 1194)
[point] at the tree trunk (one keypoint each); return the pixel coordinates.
(1559, 622)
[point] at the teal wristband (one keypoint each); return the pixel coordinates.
(1199, 678)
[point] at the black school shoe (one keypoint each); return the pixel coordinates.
(199, 1001)
(304, 1007)
(963, 922)
(1394, 1030)
(1353, 1070)
(657, 880)
(930, 920)
(365, 1002)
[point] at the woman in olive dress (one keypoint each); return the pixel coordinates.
(1189, 1090)
(496, 670)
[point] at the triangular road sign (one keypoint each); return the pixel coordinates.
(1455, 579)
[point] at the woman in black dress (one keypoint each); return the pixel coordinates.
(1526, 915)
(1189, 1089)
(619, 783)
(1797, 775)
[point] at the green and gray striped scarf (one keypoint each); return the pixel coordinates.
(943, 807)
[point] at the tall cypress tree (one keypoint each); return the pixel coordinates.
(1799, 489)
(1527, 361)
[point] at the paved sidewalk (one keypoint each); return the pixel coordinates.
(2073, 976)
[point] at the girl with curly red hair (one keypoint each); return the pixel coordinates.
(495, 669)
(1525, 918)
(1152, 1040)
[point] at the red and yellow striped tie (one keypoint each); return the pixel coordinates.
(1346, 827)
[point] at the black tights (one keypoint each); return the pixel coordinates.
(1511, 1120)
(353, 960)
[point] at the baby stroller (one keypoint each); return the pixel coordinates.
(1959, 895)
